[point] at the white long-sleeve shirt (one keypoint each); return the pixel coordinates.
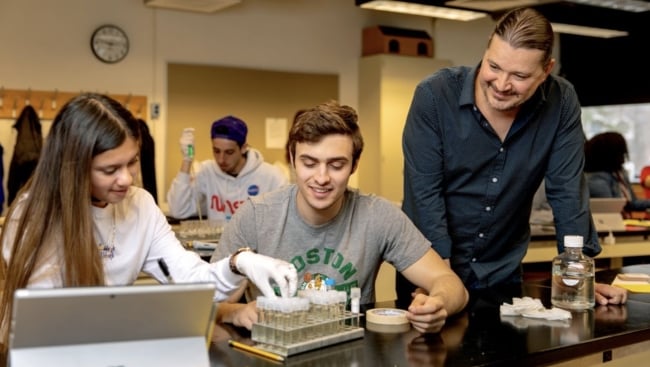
(142, 236)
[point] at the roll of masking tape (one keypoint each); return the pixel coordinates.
(387, 320)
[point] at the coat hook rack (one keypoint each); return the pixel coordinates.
(12, 101)
(53, 99)
(40, 109)
(28, 96)
(127, 102)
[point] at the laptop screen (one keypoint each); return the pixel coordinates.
(128, 323)
(607, 205)
(606, 213)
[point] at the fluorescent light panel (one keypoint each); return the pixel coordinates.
(587, 31)
(492, 5)
(424, 10)
(201, 6)
(633, 6)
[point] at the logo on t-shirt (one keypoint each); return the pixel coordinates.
(253, 190)
(316, 281)
(321, 282)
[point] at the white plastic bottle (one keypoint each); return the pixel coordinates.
(355, 298)
(573, 279)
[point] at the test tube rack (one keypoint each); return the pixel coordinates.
(313, 332)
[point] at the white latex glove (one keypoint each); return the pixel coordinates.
(187, 144)
(260, 269)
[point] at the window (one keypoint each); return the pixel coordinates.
(632, 121)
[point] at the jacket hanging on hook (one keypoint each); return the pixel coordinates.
(148, 161)
(2, 175)
(27, 151)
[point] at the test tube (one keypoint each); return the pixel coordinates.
(303, 311)
(272, 319)
(190, 151)
(342, 298)
(284, 317)
(259, 329)
(319, 306)
(332, 311)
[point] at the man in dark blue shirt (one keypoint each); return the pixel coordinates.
(477, 144)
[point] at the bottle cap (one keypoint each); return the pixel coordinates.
(573, 241)
(355, 292)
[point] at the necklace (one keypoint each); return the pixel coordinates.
(108, 250)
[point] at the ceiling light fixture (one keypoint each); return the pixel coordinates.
(633, 6)
(422, 9)
(495, 5)
(587, 31)
(200, 6)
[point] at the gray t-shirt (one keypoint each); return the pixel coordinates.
(349, 249)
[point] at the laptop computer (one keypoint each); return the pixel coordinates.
(139, 325)
(607, 213)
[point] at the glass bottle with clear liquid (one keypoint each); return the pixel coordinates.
(573, 279)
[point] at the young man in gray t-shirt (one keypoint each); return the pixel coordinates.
(334, 235)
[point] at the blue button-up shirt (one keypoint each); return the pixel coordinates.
(471, 194)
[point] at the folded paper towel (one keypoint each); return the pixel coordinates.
(533, 308)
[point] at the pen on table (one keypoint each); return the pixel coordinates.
(257, 351)
(165, 270)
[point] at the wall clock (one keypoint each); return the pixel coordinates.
(109, 43)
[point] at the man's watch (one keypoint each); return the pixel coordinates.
(233, 259)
